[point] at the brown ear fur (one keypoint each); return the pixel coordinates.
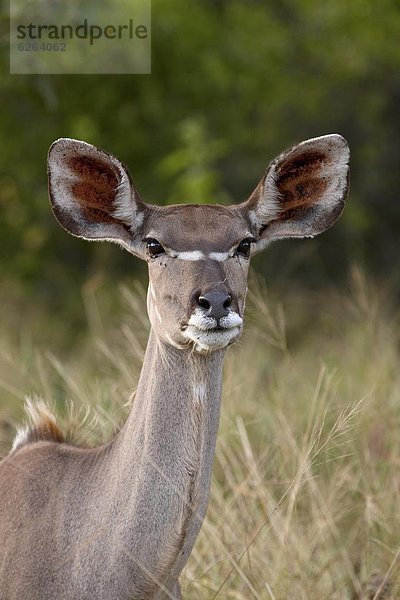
(303, 191)
(298, 181)
(91, 193)
(96, 187)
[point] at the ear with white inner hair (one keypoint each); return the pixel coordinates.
(303, 191)
(92, 195)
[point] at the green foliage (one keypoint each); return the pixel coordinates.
(191, 165)
(232, 84)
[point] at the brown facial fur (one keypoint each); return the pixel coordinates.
(207, 228)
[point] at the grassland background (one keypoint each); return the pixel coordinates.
(305, 499)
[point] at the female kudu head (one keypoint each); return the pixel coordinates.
(198, 255)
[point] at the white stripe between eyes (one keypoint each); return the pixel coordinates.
(219, 256)
(194, 255)
(191, 255)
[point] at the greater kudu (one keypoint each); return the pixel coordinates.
(118, 522)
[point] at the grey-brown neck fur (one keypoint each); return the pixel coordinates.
(170, 437)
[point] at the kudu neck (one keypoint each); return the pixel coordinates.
(173, 376)
(166, 449)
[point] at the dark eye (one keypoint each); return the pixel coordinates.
(154, 247)
(244, 247)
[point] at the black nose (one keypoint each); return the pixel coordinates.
(215, 304)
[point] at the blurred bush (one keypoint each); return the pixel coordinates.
(233, 83)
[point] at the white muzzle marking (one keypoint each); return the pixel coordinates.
(206, 334)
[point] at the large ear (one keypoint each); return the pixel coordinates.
(303, 191)
(92, 195)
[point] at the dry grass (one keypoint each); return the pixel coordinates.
(305, 500)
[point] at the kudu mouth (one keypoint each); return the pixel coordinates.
(209, 333)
